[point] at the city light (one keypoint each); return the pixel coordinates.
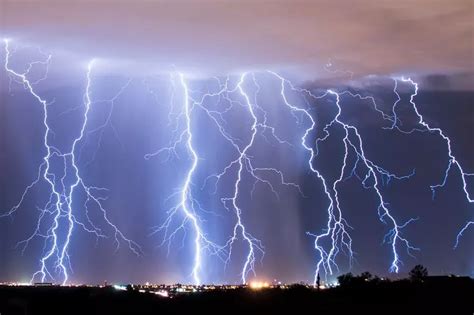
(258, 285)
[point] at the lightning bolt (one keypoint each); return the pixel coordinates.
(229, 97)
(59, 206)
(244, 162)
(337, 228)
(187, 204)
(453, 163)
(252, 243)
(107, 122)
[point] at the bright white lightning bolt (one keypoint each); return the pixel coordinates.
(187, 203)
(320, 249)
(337, 226)
(54, 205)
(186, 191)
(253, 243)
(394, 235)
(452, 162)
(60, 203)
(242, 163)
(107, 122)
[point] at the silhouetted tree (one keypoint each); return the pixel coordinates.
(376, 279)
(418, 273)
(346, 279)
(366, 276)
(318, 282)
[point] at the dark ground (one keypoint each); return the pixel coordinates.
(436, 296)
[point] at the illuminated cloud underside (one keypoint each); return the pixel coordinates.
(370, 37)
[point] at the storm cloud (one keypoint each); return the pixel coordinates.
(365, 37)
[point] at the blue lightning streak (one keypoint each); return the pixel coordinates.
(186, 191)
(337, 227)
(394, 235)
(452, 162)
(46, 175)
(60, 203)
(320, 249)
(107, 122)
(89, 190)
(187, 203)
(253, 243)
(458, 237)
(242, 162)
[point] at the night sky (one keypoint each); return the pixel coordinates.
(137, 106)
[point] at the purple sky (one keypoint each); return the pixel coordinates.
(365, 37)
